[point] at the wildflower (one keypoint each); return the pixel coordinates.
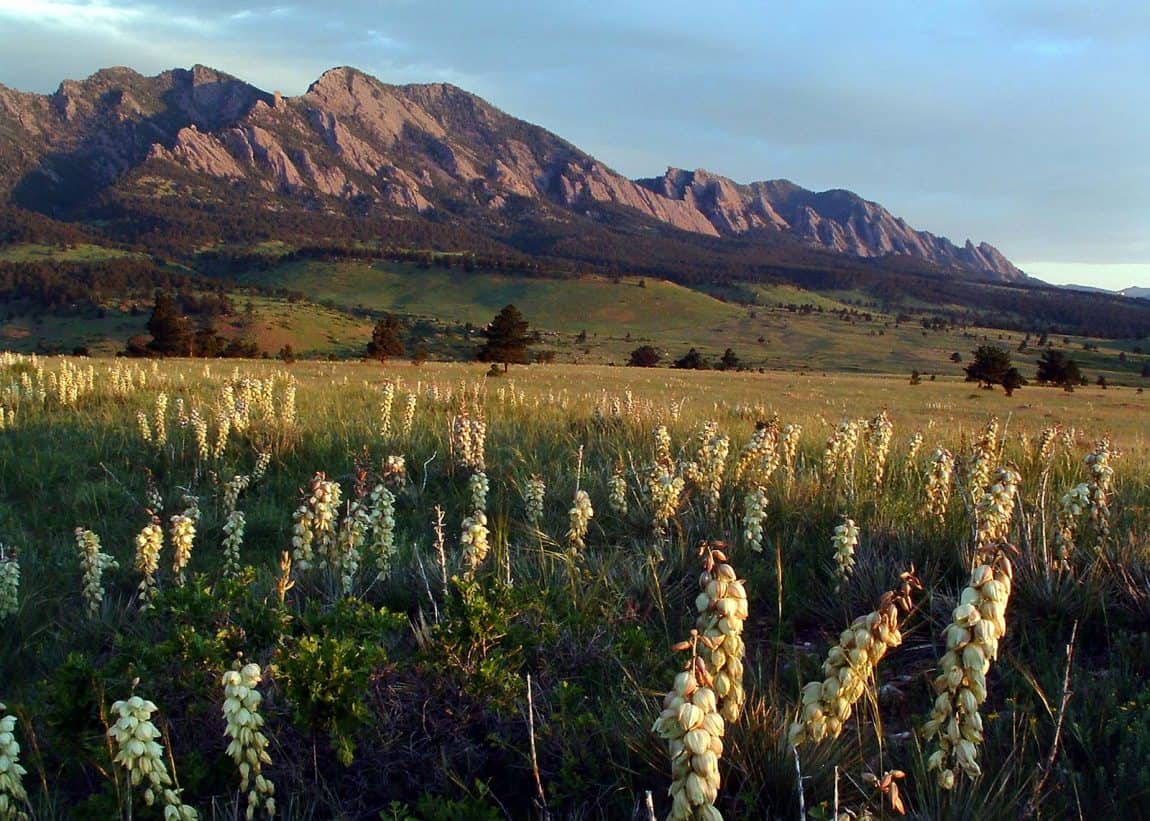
(9, 585)
(138, 752)
(972, 638)
(845, 541)
(183, 532)
(381, 519)
(474, 539)
(617, 491)
(722, 606)
(248, 745)
(879, 433)
(938, 484)
(94, 564)
(233, 538)
(996, 507)
(580, 518)
(12, 790)
(754, 514)
(149, 543)
(478, 486)
(533, 498)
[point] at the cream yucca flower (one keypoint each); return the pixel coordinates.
(996, 507)
(409, 414)
(182, 530)
(9, 584)
(381, 519)
(712, 463)
(617, 491)
(1101, 483)
(693, 728)
(789, 450)
(140, 754)
(395, 470)
(160, 437)
(313, 523)
(978, 463)
(579, 517)
(385, 408)
(533, 500)
(972, 638)
(845, 541)
(912, 449)
(754, 514)
(477, 487)
(94, 563)
(474, 540)
(263, 459)
(12, 792)
(350, 538)
(200, 431)
(149, 543)
(145, 426)
(939, 481)
(879, 432)
(232, 490)
(850, 666)
(760, 457)
(248, 745)
(233, 539)
(722, 606)
(1072, 505)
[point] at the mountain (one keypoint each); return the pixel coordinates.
(352, 144)
(1135, 292)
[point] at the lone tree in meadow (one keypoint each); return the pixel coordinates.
(1057, 368)
(991, 366)
(645, 356)
(170, 330)
(507, 339)
(385, 339)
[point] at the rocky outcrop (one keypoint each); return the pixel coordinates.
(413, 147)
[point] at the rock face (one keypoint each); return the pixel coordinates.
(416, 147)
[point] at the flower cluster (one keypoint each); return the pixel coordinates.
(754, 514)
(474, 539)
(1101, 482)
(183, 532)
(878, 436)
(533, 497)
(313, 523)
(94, 564)
(789, 450)
(233, 538)
(617, 491)
(912, 449)
(691, 725)
(478, 487)
(9, 584)
(138, 752)
(850, 666)
(580, 519)
(845, 541)
(409, 414)
(149, 543)
(712, 462)
(759, 458)
(382, 521)
(979, 623)
(468, 438)
(248, 746)
(1072, 505)
(385, 408)
(838, 459)
(978, 463)
(722, 607)
(996, 507)
(938, 483)
(12, 790)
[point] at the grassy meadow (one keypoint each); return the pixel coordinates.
(374, 540)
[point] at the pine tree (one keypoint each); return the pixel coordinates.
(507, 338)
(171, 333)
(385, 340)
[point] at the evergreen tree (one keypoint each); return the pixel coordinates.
(991, 366)
(171, 333)
(730, 361)
(645, 356)
(507, 338)
(1058, 368)
(385, 339)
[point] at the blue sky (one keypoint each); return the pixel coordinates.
(1024, 123)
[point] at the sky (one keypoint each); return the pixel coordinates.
(1022, 123)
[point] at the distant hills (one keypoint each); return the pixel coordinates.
(1133, 291)
(352, 145)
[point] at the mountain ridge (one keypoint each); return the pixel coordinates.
(423, 148)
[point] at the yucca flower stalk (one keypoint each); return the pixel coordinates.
(149, 543)
(1072, 505)
(248, 744)
(12, 792)
(182, 530)
(723, 609)
(9, 584)
(850, 665)
(381, 519)
(409, 415)
(140, 754)
(845, 541)
(160, 437)
(879, 434)
(579, 517)
(754, 514)
(199, 427)
(233, 540)
(94, 563)
(1101, 483)
(760, 457)
(474, 540)
(385, 408)
(712, 462)
(939, 480)
(978, 463)
(972, 639)
(144, 424)
(996, 507)
(314, 523)
(533, 500)
(477, 487)
(350, 538)
(693, 728)
(789, 450)
(617, 490)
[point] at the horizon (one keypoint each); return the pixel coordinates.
(936, 124)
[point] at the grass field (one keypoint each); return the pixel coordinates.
(394, 669)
